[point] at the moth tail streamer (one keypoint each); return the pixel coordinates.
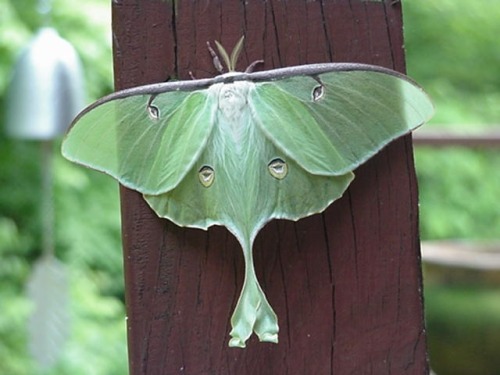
(252, 313)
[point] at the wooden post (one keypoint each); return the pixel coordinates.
(346, 285)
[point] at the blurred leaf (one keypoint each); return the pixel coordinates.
(29, 12)
(464, 327)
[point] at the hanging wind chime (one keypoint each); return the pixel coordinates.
(47, 75)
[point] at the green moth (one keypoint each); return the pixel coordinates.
(245, 147)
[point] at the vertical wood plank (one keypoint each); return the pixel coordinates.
(346, 285)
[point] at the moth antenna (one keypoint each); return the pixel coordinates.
(224, 55)
(215, 59)
(235, 54)
(252, 66)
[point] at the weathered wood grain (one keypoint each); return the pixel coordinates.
(346, 285)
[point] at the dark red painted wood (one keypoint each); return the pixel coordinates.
(346, 284)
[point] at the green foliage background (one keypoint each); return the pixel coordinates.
(452, 50)
(86, 209)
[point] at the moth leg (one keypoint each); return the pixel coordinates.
(252, 66)
(215, 59)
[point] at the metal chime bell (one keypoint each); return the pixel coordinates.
(46, 88)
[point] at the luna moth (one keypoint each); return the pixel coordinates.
(243, 148)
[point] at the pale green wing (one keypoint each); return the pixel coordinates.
(243, 185)
(332, 122)
(147, 142)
